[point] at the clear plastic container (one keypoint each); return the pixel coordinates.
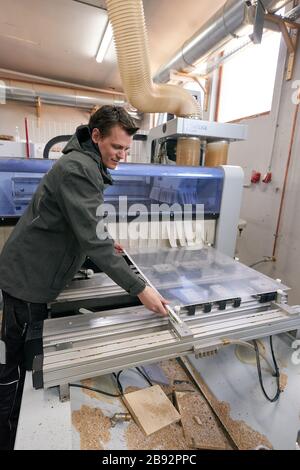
(188, 151)
(216, 153)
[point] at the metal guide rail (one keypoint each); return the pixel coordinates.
(92, 344)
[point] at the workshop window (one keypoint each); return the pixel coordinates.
(247, 80)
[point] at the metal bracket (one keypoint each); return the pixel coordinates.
(290, 38)
(288, 309)
(179, 326)
(201, 352)
(258, 26)
(64, 392)
(62, 346)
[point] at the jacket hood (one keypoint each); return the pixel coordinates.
(82, 142)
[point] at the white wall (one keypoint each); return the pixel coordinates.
(54, 120)
(261, 201)
(13, 114)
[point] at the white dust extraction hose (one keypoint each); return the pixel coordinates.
(130, 36)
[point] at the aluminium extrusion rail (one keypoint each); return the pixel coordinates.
(90, 345)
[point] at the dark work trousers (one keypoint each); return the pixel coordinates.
(17, 315)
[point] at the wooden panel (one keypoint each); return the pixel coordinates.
(151, 409)
(200, 426)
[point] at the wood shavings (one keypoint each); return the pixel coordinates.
(243, 436)
(168, 438)
(90, 393)
(197, 420)
(96, 395)
(202, 431)
(174, 371)
(93, 427)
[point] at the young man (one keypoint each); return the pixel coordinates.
(53, 238)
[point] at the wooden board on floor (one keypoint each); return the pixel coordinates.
(151, 409)
(200, 426)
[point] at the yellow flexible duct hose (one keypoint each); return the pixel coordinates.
(131, 41)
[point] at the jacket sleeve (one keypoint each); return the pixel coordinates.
(79, 196)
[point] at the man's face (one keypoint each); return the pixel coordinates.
(114, 147)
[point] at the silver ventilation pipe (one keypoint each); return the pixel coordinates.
(17, 86)
(215, 33)
(293, 14)
(275, 5)
(7, 74)
(49, 94)
(75, 100)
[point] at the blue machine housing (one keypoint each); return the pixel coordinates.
(150, 185)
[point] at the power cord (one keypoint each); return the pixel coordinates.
(145, 375)
(94, 390)
(258, 355)
(116, 376)
(276, 374)
(102, 391)
(266, 259)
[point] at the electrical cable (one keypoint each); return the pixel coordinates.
(145, 375)
(258, 354)
(94, 390)
(250, 346)
(116, 376)
(267, 259)
(276, 374)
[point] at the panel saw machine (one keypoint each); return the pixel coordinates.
(178, 226)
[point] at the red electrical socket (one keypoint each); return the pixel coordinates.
(267, 178)
(255, 177)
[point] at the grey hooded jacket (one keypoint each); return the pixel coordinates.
(58, 230)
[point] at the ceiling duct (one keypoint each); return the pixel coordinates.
(215, 33)
(276, 5)
(54, 95)
(29, 92)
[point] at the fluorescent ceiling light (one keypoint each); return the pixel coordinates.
(104, 43)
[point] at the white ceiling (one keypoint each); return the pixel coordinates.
(59, 39)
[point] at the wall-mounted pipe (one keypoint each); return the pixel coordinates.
(20, 91)
(215, 33)
(275, 5)
(286, 175)
(130, 36)
(7, 74)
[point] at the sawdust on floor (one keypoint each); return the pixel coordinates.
(169, 438)
(201, 428)
(96, 395)
(175, 372)
(93, 427)
(243, 436)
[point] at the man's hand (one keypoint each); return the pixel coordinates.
(153, 301)
(118, 248)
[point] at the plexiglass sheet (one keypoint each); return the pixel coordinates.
(186, 276)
